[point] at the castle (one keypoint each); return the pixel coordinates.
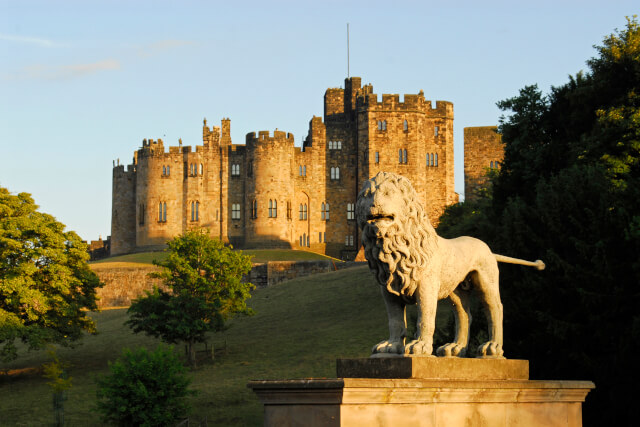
(270, 193)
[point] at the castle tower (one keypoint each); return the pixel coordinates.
(483, 151)
(158, 196)
(269, 190)
(123, 210)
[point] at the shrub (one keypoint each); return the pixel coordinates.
(144, 389)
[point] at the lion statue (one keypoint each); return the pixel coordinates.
(416, 266)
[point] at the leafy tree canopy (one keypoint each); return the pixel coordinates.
(205, 289)
(46, 286)
(569, 193)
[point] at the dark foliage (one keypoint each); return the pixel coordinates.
(569, 193)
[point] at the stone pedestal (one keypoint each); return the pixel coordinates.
(484, 397)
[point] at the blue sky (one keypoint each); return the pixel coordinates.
(83, 82)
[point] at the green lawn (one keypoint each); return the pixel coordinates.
(259, 255)
(300, 328)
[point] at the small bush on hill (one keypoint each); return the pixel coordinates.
(144, 389)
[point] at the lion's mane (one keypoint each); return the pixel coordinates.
(399, 253)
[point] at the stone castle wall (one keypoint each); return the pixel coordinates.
(269, 193)
(483, 151)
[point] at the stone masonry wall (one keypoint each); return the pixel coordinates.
(483, 149)
(124, 283)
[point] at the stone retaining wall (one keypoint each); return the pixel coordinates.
(125, 282)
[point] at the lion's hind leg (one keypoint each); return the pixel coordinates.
(461, 310)
(486, 284)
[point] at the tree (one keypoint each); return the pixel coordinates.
(569, 193)
(46, 286)
(144, 389)
(204, 278)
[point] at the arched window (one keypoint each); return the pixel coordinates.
(304, 239)
(384, 125)
(436, 159)
(432, 160)
(400, 156)
(405, 126)
(270, 208)
(168, 170)
(197, 211)
(308, 241)
(164, 211)
(377, 157)
(304, 171)
(491, 165)
(164, 170)
(405, 159)
(160, 212)
(193, 211)
(379, 125)
(322, 211)
(201, 168)
(300, 170)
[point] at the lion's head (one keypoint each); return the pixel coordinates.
(397, 235)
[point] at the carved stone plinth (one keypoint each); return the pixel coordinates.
(428, 402)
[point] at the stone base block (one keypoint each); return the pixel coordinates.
(421, 402)
(452, 368)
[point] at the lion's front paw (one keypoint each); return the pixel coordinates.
(491, 349)
(387, 346)
(419, 347)
(451, 350)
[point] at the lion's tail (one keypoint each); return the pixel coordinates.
(537, 263)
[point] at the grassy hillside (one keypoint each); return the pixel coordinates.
(300, 328)
(259, 255)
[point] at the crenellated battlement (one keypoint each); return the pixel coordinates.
(411, 103)
(264, 137)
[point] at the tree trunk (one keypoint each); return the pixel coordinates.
(192, 354)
